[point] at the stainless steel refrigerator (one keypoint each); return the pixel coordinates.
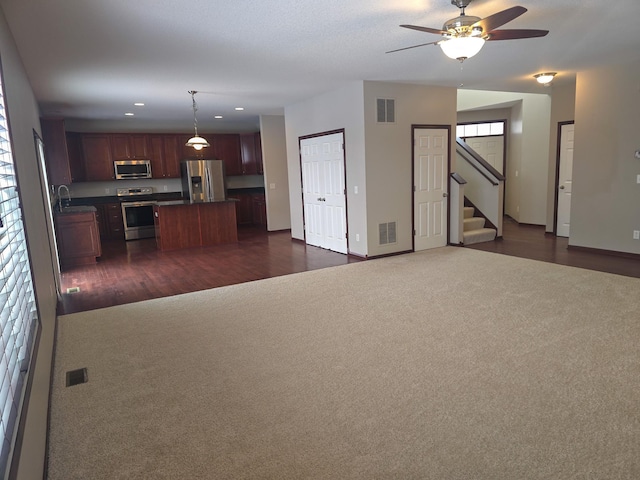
(203, 180)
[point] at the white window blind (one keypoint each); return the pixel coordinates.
(18, 318)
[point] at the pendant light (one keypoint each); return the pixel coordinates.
(197, 142)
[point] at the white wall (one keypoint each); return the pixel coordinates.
(389, 154)
(23, 118)
(339, 109)
(605, 205)
(276, 179)
(527, 151)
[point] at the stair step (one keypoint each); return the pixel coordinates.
(468, 212)
(478, 236)
(473, 223)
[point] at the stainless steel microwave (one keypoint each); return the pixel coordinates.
(132, 169)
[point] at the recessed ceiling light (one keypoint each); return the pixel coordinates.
(239, 108)
(218, 116)
(139, 104)
(129, 114)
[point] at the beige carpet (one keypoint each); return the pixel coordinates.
(446, 364)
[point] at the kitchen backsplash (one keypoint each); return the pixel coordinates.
(107, 189)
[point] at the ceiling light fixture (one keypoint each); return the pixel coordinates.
(461, 48)
(129, 114)
(218, 116)
(239, 109)
(545, 78)
(139, 104)
(197, 142)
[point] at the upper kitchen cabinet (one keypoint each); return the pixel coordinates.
(226, 146)
(223, 146)
(129, 146)
(251, 150)
(55, 151)
(165, 153)
(98, 163)
(76, 160)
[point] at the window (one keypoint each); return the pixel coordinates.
(484, 129)
(18, 318)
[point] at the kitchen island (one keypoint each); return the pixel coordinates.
(181, 224)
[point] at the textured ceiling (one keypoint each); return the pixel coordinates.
(92, 59)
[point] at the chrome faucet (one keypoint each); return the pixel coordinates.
(60, 205)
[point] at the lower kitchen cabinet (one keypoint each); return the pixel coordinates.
(78, 236)
(259, 209)
(195, 225)
(251, 208)
(110, 222)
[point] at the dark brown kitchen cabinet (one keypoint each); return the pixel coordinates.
(165, 156)
(56, 153)
(251, 148)
(98, 163)
(244, 207)
(76, 160)
(129, 146)
(226, 147)
(259, 209)
(78, 238)
(109, 217)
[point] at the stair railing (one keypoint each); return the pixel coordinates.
(485, 185)
(456, 209)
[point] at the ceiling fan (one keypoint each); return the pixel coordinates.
(464, 36)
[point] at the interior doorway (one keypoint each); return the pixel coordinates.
(322, 162)
(564, 178)
(430, 187)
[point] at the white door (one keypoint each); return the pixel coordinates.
(491, 149)
(564, 180)
(323, 191)
(430, 170)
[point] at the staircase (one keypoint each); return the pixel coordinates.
(474, 230)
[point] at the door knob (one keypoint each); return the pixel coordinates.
(561, 187)
(445, 194)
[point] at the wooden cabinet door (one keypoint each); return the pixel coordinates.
(248, 154)
(172, 155)
(244, 208)
(156, 156)
(76, 159)
(56, 153)
(98, 163)
(258, 144)
(139, 146)
(259, 210)
(227, 148)
(78, 238)
(120, 147)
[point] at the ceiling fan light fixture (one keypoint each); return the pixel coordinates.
(197, 142)
(545, 78)
(461, 48)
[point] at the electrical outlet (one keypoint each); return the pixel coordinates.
(638, 179)
(107, 191)
(355, 190)
(357, 237)
(165, 188)
(636, 234)
(272, 186)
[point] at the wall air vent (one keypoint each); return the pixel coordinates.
(387, 233)
(386, 110)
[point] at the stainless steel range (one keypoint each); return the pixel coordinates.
(137, 212)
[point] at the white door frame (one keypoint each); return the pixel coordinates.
(445, 192)
(330, 244)
(559, 188)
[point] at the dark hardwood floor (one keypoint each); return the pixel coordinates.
(531, 241)
(133, 271)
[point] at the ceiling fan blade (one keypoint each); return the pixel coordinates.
(515, 34)
(498, 19)
(424, 29)
(414, 46)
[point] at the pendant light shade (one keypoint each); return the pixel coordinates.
(197, 142)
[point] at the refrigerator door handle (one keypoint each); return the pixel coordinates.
(208, 190)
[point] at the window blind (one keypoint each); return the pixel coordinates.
(18, 319)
